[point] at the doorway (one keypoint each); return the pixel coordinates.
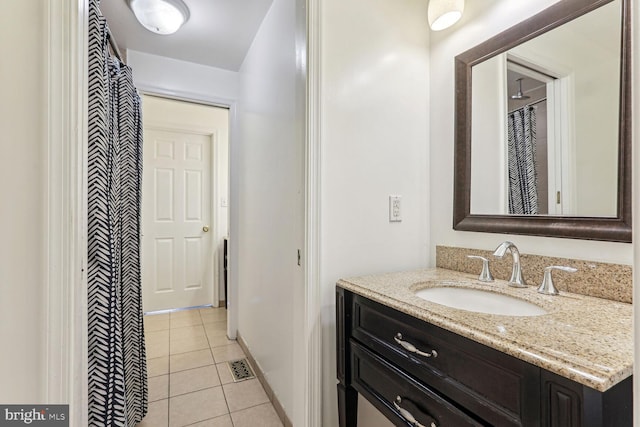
(546, 90)
(185, 203)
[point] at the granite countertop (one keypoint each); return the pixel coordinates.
(588, 340)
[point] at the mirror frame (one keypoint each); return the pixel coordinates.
(616, 229)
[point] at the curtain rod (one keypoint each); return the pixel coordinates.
(114, 45)
(531, 104)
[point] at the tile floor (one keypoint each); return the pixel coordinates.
(189, 381)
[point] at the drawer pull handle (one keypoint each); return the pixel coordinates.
(412, 348)
(407, 415)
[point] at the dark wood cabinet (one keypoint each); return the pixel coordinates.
(413, 371)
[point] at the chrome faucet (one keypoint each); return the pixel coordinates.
(547, 286)
(516, 281)
(485, 275)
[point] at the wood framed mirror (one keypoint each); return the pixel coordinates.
(587, 171)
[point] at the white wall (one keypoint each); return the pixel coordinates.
(374, 139)
(23, 209)
(267, 202)
(482, 20)
(157, 74)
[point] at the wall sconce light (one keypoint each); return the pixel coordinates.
(160, 16)
(444, 13)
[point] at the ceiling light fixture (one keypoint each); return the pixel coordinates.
(444, 13)
(160, 16)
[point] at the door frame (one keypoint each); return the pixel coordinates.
(312, 220)
(214, 179)
(231, 105)
(66, 62)
(560, 126)
(66, 359)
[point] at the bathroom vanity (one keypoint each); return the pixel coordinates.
(565, 362)
(426, 364)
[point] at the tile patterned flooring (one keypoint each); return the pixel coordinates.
(189, 382)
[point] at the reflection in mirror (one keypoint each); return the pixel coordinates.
(545, 120)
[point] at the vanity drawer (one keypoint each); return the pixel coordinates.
(389, 389)
(489, 383)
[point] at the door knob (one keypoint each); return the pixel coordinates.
(205, 228)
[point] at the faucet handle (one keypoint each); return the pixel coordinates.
(485, 275)
(547, 286)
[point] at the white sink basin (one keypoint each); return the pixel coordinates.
(480, 301)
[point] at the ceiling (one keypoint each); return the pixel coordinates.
(218, 32)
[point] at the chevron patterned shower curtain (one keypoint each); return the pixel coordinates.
(523, 192)
(117, 363)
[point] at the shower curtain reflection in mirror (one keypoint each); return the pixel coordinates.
(523, 176)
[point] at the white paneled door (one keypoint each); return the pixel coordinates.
(177, 247)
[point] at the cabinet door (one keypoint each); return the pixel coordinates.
(566, 403)
(565, 406)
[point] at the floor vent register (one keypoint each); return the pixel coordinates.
(241, 370)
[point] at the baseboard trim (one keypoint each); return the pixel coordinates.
(267, 388)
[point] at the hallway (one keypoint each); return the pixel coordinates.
(190, 383)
